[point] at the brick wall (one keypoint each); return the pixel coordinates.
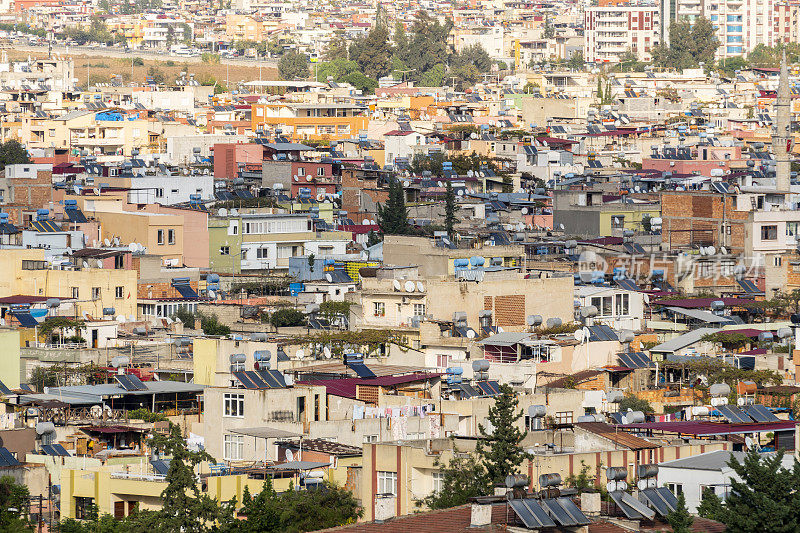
(510, 310)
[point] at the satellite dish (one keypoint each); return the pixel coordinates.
(561, 227)
(300, 354)
(470, 334)
(212, 294)
(327, 352)
(420, 286)
(86, 264)
(106, 242)
(396, 285)
(578, 335)
(99, 263)
(132, 247)
(409, 286)
(723, 250)
(289, 455)
(328, 277)
(234, 212)
(222, 212)
(116, 241)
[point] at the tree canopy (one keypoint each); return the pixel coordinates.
(689, 45)
(293, 65)
(393, 215)
(12, 153)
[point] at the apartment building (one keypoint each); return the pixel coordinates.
(317, 121)
(259, 241)
(613, 30)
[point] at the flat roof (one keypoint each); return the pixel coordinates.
(703, 428)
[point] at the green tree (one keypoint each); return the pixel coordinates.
(689, 45)
(549, 30)
(582, 482)
(373, 53)
(635, 404)
(576, 61)
(424, 48)
(293, 65)
(711, 506)
(13, 506)
(170, 36)
(337, 47)
(287, 317)
(211, 325)
(156, 74)
(680, 520)
(393, 216)
(498, 447)
(450, 209)
(332, 310)
(185, 509)
(13, 153)
(373, 238)
(462, 478)
(764, 495)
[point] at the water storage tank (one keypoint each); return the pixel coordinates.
(53, 302)
(553, 322)
(238, 358)
(262, 355)
(258, 337)
(534, 320)
(586, 418)
(537, 411)
(589, 311)
(481, 365)
(516, 481)
(120, 361)
(784, 333)
(549, 480)
(614, 396)
(455, 370)
(700, 410)
(626, 335)
(647, 471)
(616, 473)
(766, 336)
(43, 428)
(719, 389)
(634, 417)
(746, 387)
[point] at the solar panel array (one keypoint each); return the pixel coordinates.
(733, 414)
(129, 382)
(660, 499)
(551, 512)
(55, 450)
(627, 284)
(6, 459)
(361, 370)
(478, 389)
(261, 379)
(4, 389)
(759, 413)
(634, 360)
(25, 318)
(160, 466)
(630, 506)
(594, 163)
(602, 332)
(531, 514)
(748, 286)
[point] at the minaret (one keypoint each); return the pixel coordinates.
(782, 136)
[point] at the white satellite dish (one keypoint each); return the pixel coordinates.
(296, 178)
(121, 319)
(440, 184)
(106, 242)
(309, 178)
(397, 286)
(723, 250)
(578, 335)
(409, 286)
(420, 286)
(86, 264)
(300, 354)
(470, 333)
(500, 329)
(289, 456)
(132, 247)
(212, 294)
(327, 352)
(99, 263)
(234, 212)
(116, 241)
(222, 212)
(561, 227)
(524, 210)
(328, 277)
(461, 192)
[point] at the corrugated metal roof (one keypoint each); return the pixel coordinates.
(704, 428)
(616, 436)
(506, 338)
(682, 341)
(699, 314)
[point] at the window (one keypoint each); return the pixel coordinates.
(301, 171)
(118, 291)
(119, 262)
(320, 171)
(419, 309)
(603, 305)
(675, 488)
(31, 264)
(159, 193)
(224, 250)
(442, 360)
(380, 308)
(564, 417)
(75, 293)
(387, 483)
(769, 233)
(622, 304)
(95, 293)
(83, 507)
(170, 236)
(438, 482)
(234, 447)
(160, 234)
(369, 439)
(777, 260)
(233, 405)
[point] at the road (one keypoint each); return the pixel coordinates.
(144, 54)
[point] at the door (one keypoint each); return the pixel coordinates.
(119, 510)
(94, 338)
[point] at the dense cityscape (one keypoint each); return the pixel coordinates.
(388, 267)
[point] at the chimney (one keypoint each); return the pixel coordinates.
(782, 136)
(481, 515)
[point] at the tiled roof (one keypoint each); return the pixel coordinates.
(621, 438)
(455, 520)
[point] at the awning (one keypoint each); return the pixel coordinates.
(298, 465)
(266, 433)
